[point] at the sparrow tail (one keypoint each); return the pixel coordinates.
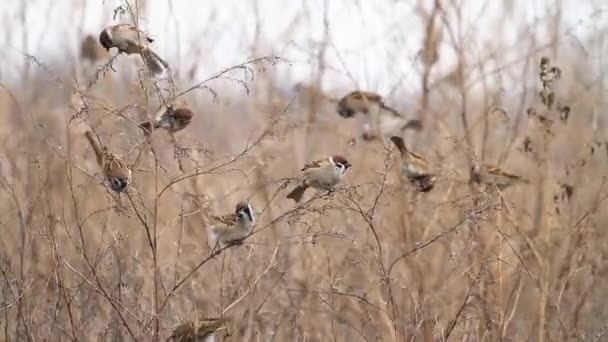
(398, 141)
(154, 62)
(414, 124)
(95, 146)
(297, 193)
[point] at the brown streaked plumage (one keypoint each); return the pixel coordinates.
(234, 227)
(200, 330)
(323, 174)
(129, 40)
(414, 167)
(116, 172)
(491, 175)
(172, 118)
(378, 119)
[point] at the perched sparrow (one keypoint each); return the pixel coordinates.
(378, 119)
(114, 169)
(414, 167)
(170, 117)
(91, 50)
(202, 330)
(233, 228)
(321, 174)
(491, 175)
(129, 40)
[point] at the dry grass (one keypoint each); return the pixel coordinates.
(372, 262)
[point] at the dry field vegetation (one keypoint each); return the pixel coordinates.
(374, 261)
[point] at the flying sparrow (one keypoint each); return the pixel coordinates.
(377, 118)
(91, 50)
(129, 40)
(492, 175)
(232, 228)
(414, 167)
(321, 174)
(202, 330)
(171, 117)
(116, 172)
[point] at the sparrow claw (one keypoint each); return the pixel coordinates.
(330, 192)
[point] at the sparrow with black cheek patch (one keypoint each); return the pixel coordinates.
(129, 40)
(231, 229)
(377, 119)
(414, 167)
(115, 171)
(491, 175)
(171, 117)
(323, 174)
(203, 330)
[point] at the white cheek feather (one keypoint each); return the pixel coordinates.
(251, 213)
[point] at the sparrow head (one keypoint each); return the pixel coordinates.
(341, 163)
(184, 114)
(105, 40)
(119, 184)
(243, 211)
(357, 101)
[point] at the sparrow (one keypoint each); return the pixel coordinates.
(378, 119)
(321, 174)
(129, 40)
(492, 175)
(414, 167)
(231, 229)
(170, 117)
(115, 171)
(91, 50)
(202, 330)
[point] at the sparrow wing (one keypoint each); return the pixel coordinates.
(131, 34)
(114, 167)
(367, 96)
(228, 219)
(419, 160)
(315, 164)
